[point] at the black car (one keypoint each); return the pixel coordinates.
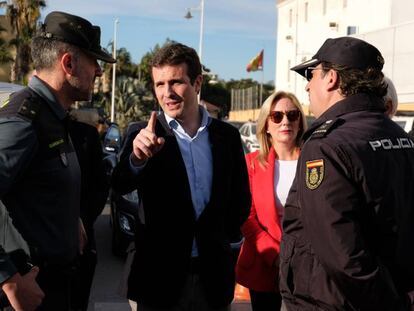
(124, 208)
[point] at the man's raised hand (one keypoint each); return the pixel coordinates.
(146, 144)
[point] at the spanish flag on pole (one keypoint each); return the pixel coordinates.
(256, 63)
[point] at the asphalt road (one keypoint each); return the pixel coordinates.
(104, 293)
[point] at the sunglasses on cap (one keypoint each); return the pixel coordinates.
(291, 115)
(309, 73)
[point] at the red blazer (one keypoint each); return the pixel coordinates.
(255, 267)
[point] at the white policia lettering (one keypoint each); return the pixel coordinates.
(392, 143)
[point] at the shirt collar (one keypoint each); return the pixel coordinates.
(205, 121)
(40, 87)
(352, 103)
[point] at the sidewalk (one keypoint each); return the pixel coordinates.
(241, 300)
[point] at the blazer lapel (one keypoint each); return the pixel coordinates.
(220, 156)
(264, 196)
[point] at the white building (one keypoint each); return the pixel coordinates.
(303, 26)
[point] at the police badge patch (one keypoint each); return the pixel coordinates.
(314, 173)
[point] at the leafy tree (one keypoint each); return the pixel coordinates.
(23, 16)
(124, 65)
(215, 92)
(5, 55)
(132, 101)
(145, 65)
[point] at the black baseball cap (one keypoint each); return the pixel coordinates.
(75, 30)
(346, 51)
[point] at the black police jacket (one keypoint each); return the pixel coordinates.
(349, 218)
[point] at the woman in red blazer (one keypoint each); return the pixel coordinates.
(271, 170)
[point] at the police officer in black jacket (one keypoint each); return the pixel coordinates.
(39, 170)
(349, 218)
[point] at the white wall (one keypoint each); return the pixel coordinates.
(300, 40)
(402, 11)
(397, 48)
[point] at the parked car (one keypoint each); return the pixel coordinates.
(406, 122)
(112, 139)
(6, 89)
(236, 124)
(248, 136)
(124, 208)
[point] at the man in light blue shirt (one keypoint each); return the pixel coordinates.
(191, 177)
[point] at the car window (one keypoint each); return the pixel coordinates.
(254, 129)
(243, 130)
(113, 133)
(401, 123)
(406, 122)
(112, 141)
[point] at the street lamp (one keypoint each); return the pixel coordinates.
(200, 45)
(114, 72)
(188, 16)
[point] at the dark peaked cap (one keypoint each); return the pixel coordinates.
(346, 51)
(77, 31)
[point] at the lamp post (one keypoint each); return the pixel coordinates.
(200, 44)
(114, 72)
(188, 16)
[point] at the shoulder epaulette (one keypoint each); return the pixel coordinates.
(29, 109)
(324, 129)
(21, 103)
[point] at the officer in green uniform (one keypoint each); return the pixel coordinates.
(39, 171)
(349, 218)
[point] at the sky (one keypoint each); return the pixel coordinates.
(234, 30)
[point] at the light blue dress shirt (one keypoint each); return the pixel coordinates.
(198, 160)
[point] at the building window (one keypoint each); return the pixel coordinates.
(323, 7)
(306, 11)
(351, 30)
(344, 3)
(289, 64)
(290, 17)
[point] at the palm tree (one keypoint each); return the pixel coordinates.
(5, 55)
(23, 16)
(129, 101)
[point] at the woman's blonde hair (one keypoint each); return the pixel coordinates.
(263, 137)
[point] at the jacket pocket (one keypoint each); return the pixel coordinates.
(286, 249)
(296, 261)
(247, 255)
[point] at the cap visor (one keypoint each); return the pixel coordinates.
(300, 69)
(101, 55)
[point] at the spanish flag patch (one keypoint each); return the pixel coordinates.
(314, 173)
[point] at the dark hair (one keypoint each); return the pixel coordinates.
(353, 81)
(175, 54)
(45, 52)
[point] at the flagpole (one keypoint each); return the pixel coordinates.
(261, 84)
(256, 64)
(261, 88)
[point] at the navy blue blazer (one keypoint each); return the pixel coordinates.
(164, 242)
